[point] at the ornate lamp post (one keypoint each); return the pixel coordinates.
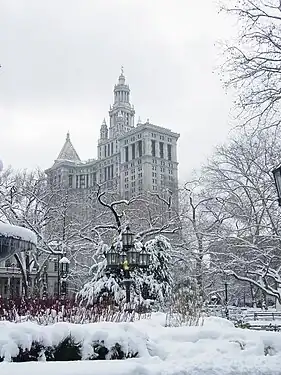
(127, 258)
(45, 282)
(64, 269)
(277, 179)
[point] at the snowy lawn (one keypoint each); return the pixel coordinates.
(216, 348)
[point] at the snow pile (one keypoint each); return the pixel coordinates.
(215, 348)
(22, 335)
(16, 232)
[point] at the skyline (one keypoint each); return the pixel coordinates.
(59, 69)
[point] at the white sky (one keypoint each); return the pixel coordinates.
(61, 58)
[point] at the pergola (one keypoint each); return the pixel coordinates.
(14, 239)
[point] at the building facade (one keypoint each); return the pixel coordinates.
(131, 159)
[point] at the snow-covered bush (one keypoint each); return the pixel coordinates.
(24, 342)
(150, 285)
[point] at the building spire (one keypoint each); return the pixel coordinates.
(121, 113)
(121, 80)
(68, 136)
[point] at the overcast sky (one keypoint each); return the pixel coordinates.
(61, 58)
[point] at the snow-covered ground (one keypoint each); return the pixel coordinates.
(216, 348)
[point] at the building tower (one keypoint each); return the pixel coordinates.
(121, 113)
(103, 132)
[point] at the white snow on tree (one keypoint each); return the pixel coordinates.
(151, 284)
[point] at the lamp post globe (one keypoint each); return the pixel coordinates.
(127, 239)
(64, 266)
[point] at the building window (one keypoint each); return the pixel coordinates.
(169, 139)
(111, 148)
(133, 151)
(126, 153)
(162, 137)
(70, 180)
(77, 182)
(161, 148)
(169, 149)
(154, 161)
(153, 147)
(140, 148)
(105, 151)
(139, 161)
(126, 173)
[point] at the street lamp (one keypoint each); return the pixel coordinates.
(45, 282)
(64, 268)
(226, 297)
(277, 179)
(127, 258)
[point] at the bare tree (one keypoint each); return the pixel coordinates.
(252, 65)
(26, 200)
(248, 243)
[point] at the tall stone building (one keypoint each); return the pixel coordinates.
(131, 159)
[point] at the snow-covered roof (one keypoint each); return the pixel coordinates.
(68, 152)
(20, 233)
